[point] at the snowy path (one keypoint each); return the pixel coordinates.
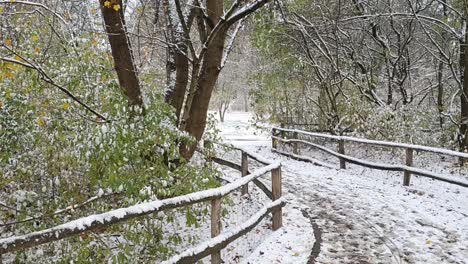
(366, 216)
(364, 219)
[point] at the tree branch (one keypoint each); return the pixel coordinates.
(50, 81)
(37, 5)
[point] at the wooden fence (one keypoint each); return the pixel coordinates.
(211, 247)
(291, 137)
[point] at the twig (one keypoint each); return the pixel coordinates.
(60, 211)
(37, 5)
(47, 79)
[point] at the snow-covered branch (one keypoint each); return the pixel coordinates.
(408, 15)
(45, 77)
(35, 5)
(230, 44)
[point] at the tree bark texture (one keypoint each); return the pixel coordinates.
(464, 97)
(121, 51)
(196, 121)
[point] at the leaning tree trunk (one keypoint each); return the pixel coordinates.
(196, 121)
(191, 101)
(113, 16)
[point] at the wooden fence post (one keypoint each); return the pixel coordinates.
(409, 162)
(281, 135)
(295, 149)
(216, 227)
(461, 161)
(341, 151)
(245, 171)
(274, 142)
(276, 192)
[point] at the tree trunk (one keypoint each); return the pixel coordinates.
(464, 95)
(225, 108)
(440, 74)
(177, 63)
(181, 81)
(246, 101)
(221, 116)
(221, 112)
(440, 93)
(121, 51)
(196, 121)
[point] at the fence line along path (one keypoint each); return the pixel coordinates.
(211, 247)
(291, 137)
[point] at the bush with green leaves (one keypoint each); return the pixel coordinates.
(54, 154)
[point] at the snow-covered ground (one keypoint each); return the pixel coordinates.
(356, 215)
(290, 244)
(359, 215)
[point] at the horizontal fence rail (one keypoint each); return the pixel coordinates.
(219, 240)
(304, 158)
(408, 169)
(238, 167)
(377, 142)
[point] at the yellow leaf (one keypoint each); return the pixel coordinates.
(9, 75)
(296, 254)
(8, 42)
(93, 11)
(37, 50)
(1, 9)
(1, 104)
(94, 42)
(116, 7)
(11, 66)
(35, 38)
(66, 105)
(428, 242)
(107, 4)
(41, 122)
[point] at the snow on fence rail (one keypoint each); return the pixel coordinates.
(377, 142)
(407, 169)
(213, 246)
(246, 152)
(244, 167)
(219, 242)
